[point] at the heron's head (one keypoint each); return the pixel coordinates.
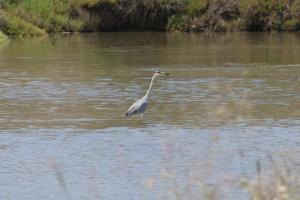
(158, 73)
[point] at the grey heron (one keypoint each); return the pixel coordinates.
(140, 106)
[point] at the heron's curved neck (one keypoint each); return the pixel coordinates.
(150, 86)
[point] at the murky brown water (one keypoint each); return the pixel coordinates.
(231, 100)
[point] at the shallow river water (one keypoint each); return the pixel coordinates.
(231, 100)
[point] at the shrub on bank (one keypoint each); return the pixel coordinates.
(265, 15)
(241, 15)
(219, 16)
(118, 15)
(178, 23)
(157, 15)
(293, 24)
(206, 15)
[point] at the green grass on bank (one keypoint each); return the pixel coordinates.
(47, 15)
(38, 17)
(3, 38)
(14, 25)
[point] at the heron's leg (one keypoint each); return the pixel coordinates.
(141, 115)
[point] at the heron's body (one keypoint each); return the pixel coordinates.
(140, 106)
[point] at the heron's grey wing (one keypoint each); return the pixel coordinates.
(132, 110)
(138, 107)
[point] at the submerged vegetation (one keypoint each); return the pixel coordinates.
(38, 17)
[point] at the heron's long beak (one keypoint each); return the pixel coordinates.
(164, 73)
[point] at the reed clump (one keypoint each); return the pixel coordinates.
(278, 180)
(281, 182)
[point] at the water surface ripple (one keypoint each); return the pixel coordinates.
(231, 99)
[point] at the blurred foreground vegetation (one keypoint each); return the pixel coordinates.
(39, 17)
